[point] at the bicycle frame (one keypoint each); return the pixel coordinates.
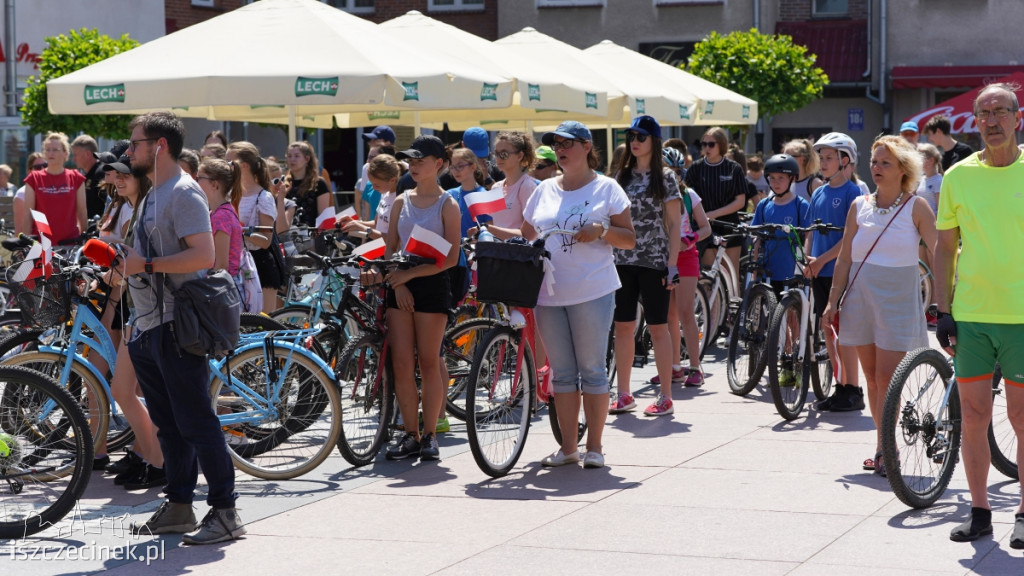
(730, 274)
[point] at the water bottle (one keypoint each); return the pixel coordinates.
(484, 235)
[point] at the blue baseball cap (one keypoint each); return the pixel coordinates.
(909, 127)
(478, 142)
(645, 125)
(569, 129)
(380, 133)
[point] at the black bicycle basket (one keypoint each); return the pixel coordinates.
(509, 273)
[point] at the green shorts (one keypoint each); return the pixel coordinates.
(979, 345)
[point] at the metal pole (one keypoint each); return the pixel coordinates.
(11, 60)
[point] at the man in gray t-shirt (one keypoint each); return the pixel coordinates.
(173, 241)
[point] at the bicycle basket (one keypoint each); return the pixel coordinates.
(509, 273)
(43, 302)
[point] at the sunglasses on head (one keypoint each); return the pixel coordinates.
(630, 136)
(709, 144)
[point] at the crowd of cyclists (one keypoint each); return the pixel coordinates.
(638, 238)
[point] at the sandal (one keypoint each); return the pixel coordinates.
(872, 463)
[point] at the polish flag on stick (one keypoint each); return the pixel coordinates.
(326, 219)
(38, 261)
(484, 202)
(371, 250)
(347, 214)
(427, 244)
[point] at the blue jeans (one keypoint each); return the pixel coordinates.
(176, 385)
(576, 338)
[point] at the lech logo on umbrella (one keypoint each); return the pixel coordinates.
(316, 86)
(591, 100)
(641, 107)
(534, 92)
(412, 90)
(684, 112)
(489, 92)
(98, 94)
(709, 108)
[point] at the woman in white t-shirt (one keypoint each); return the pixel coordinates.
(576, 318)
(258, 208)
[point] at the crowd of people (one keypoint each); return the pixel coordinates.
(638, 232)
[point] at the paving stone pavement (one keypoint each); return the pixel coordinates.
(723, 486)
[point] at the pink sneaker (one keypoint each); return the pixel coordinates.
(661, 407)
(678, 376)
(696, 378)
(622, 403)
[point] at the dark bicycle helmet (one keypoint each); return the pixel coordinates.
(782, 164)
(673, 158)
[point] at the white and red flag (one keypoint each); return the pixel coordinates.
(371, 250)
(423, 242)
(326, 220)
(38, 261)
(484, 202)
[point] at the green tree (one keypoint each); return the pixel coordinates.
(771, 69)
(63, 55)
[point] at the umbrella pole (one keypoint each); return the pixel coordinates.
(416, 120)
(291, 123)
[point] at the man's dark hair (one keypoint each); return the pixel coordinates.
(164, 125)
(938, 123)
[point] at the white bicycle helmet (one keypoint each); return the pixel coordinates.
(673, 158)
(840, 142)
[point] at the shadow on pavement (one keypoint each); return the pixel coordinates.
(539, 483)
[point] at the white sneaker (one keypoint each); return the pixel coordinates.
(560, 459)
(593, 460)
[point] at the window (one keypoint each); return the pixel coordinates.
(568, 3)
(685, 2)
(831, 7)
(203, 3)
(363, 6)
(442, 5)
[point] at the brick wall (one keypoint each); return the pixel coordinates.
(483, 23)
(800, 10)
(182, 14)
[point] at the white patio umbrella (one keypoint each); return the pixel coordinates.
(278, 61)
(671, 95)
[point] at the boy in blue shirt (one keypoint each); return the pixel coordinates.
(830, 203)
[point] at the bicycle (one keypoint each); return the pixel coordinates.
(747, 356)
(797, 353)
(46, 452)
(721, 288)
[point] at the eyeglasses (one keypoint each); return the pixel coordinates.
(53, 150)
(132, 144)
(708, 144)
(504, 154)
(461, 167)
(564, 144)
(998, 114)
(206, 178)
(545, 165)
(277, 181)
(630, 136)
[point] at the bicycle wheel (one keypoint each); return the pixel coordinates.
(281, 418)
(250, 323)
(294, 316)
(19, 341)
(700, 311)
(1002, 440)
(367, 400)
(921, 434)
(748, 358)
(46, 452)
(460, 345)
(788, 376)
(83, 387)
(556, 429)
(498, 408)
(718, 309)
(926, 284)
(821, 364)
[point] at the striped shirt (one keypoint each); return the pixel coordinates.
(717, 184)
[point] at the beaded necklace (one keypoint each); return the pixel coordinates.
(884, 211)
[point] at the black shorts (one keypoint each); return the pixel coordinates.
(821, 285)
(641, 283)
(431, 294)
(266, 266)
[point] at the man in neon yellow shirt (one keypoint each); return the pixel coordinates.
(981, 203)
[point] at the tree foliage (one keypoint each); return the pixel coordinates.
(771, 69)
(63, 55)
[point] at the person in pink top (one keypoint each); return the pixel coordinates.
(514, 155)
(56, 192)
(222, 182)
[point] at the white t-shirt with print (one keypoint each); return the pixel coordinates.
(583, 271)
(249, 210)
(384, 212)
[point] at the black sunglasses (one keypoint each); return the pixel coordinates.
(630, 136)
(709, 144)
(39, 166)
(545, 165)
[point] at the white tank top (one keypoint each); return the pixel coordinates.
(898, 247)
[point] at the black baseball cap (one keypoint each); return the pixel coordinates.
(122, 166)
(423, 146)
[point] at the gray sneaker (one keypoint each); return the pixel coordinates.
(219, 525)
(169, 518)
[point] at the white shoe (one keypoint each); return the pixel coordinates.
(560, 459)
(593, 460)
